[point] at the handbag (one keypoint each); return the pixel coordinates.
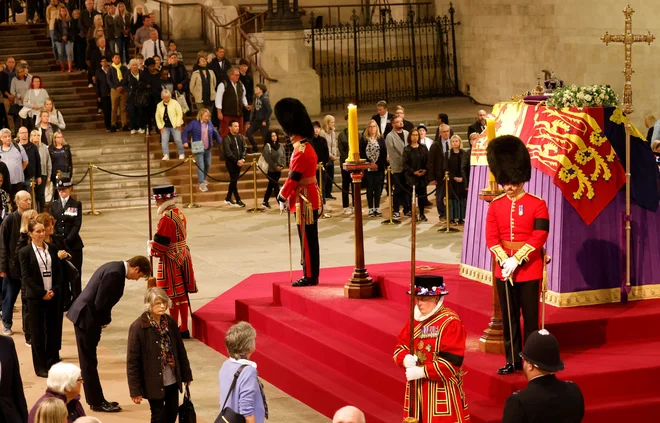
(227, 415)
(187, 412)
(262, 163)
(197, 147)
(181, 99)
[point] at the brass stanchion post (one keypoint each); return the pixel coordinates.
(447, 228)
(191, 204)
(256, 208)
(320, 182)
(34, 200)
(391, 220)
(93, 211)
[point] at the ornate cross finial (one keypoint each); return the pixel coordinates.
(628, 38)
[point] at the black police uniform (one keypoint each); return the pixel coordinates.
(68, 220)
(546, 399)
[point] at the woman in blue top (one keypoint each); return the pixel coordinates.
(247, 398)
(203, 130)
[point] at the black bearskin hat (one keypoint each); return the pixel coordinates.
(508, 160)
(293, 118)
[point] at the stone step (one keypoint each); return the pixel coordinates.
(21, 51)
(15, 39)
(84, 126)
(21, 28)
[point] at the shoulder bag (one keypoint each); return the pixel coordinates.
(197, 147)
(227, 415)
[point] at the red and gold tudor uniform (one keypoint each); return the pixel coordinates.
(439, 348)
(517, 227)
(175, 271)
(302, 180)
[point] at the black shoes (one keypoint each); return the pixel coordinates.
(509, 368)
(185, 334)
(266, 205)
(305, 282)
(106, 407)
(239, 203)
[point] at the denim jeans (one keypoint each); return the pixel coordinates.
(52, 40)
(204, 162)
(123, 43)
(64, 51)
(10, 289)
(165, 137)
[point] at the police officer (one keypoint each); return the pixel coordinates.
(546, 399)
(68, 220)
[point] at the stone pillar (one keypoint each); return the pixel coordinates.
(286, 59)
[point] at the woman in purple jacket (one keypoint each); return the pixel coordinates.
(202, 130)
(64, 382)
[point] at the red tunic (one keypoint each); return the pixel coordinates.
(302, 177)
(175, 271)
(518, 228)
(439, 347)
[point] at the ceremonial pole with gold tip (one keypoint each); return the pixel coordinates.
(412, 399)
(151, 281)
(191, 204)
(628, 38)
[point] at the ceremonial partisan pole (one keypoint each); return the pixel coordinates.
(628, 38)
(150, 281)
(412, 395)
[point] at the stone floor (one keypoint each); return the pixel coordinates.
(227, 245)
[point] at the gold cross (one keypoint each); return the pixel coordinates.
(628, 39)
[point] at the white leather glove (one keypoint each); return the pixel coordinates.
(509, 266)
(410, 361)
(414, 373)
(283, 206)
(149, 244)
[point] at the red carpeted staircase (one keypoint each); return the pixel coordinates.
(329, 351)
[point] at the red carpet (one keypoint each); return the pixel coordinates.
(329, 351)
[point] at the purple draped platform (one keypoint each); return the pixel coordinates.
(584, 258)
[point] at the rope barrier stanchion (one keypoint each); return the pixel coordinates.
(391, 220)
(93, 211)
(256, 208)
(321, 181)
(191, 204)
(34, 202)
(447, 228)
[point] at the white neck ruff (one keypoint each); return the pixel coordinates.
(421, 317)
(163, 207)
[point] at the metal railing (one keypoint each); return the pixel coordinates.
(210, 24)
(337, 14)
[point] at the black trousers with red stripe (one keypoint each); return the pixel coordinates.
(311, 260)
(523, 296)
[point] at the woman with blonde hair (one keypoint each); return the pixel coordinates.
(55, 118)
(373, 149)
(123, 31)
(60, 156)
(51, 410)
(139, 13)
(202, 129)
(64, 38)
(328, 132)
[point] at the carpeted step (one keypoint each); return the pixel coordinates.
(628, 410)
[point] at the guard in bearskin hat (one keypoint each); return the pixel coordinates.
(175, 270)
(436, 363)
(546, 399)
(517, 227)
(295, 122)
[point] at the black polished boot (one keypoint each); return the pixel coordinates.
(304, 281)
(509, 368)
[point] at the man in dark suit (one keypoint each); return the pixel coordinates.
(92, 311)
(479, 125)
(234, 149)
(68, 220)
(438, 165)
(220, 65)
(546, 399)
(13, 407)
(383, 118)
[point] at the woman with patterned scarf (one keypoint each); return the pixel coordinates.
(157, 362)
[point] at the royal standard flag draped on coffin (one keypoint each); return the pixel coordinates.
(570, 146)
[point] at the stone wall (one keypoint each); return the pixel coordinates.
(502, 45)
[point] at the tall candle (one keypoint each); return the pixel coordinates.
(490, 134)
(353, 147)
